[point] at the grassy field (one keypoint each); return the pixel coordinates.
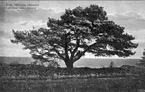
(35, 78)
(127, 84)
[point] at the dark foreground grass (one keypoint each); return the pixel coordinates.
(129, 84)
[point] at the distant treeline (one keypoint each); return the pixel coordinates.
(36, 71)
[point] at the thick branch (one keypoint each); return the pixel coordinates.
(66, 46)
(76, 48)
(80, 54)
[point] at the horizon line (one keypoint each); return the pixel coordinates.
(85, 57)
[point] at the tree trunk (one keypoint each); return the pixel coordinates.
(69, 64)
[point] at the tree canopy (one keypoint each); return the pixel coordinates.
(78, 31)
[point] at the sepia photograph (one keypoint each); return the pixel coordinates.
(72, 46)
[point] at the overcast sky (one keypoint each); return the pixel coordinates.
(129, 14)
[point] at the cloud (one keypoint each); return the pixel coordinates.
(16, 52)
(11, 15)
(6, 43)
(28, 25)
(6, 34)
(2, 14)
(1, 33)
(130, 20)
(142, 44)
(24, 23)
(23, 19)
(9, 49)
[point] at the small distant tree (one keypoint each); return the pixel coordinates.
(142, 61)
(111, 64)
(77, 32)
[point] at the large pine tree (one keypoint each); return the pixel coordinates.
(78, 31)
